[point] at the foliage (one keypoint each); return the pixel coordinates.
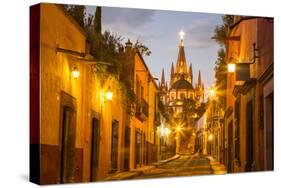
(144, 50)
(105, 47)
(220, 31)
(97, 20)
(220, 34)
(127, 85)
(220, 70)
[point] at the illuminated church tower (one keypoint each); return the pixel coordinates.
(181, 86)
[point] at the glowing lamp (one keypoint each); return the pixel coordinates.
(212, 92)
(75, 72)
(231, 67)
(167, 131)
(178, 128)
(108, 94)
(210, 137)
(181, 35)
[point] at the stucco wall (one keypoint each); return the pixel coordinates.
(58, 29)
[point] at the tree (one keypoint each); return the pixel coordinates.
(144, 50)
(220, 31)
(220, 76)
(97, 21)
(220, 34)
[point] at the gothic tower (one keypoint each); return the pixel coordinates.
(200, 88)
(163, 87)
(172, 75)
(191, 73)
(182, 65)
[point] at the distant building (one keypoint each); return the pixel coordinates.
(181, 85)
(182, 94)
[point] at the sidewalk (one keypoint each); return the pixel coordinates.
(139, 171)
(217, 167)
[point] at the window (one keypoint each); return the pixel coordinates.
(182, 96)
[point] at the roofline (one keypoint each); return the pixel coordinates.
(139, 54)
(82, 31)
(244, 19)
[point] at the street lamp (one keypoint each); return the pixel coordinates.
(212, 92)
(231, 67)
(210, 137)
(75, 72)
(178, 129)
(108, 94)
(167, 131)
(105, 96)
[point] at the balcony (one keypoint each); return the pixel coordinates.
(142, 110)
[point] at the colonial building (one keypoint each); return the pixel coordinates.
(82, 117)
(142, 124)
(86, 129)
(182, 93)
(248, 127)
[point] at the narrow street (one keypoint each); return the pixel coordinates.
(187, 164)
(118, 114)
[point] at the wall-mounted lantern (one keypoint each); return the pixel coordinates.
(242, 69)
(231, 66)
(105, 96)
(109, 94)
(75, 72)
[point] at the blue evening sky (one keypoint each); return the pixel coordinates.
(159, 30)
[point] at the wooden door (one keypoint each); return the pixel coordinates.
(95, 148)
(68, 145)
(114, 146)
(249, 139)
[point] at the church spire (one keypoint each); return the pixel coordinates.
(172, 70)
(181, 66)
(172, 75)
(162, 78)
(190, 73)
(199, 79)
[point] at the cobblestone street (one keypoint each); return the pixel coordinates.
(181, 165)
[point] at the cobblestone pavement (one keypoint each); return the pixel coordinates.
(185, 165)
(180, 165)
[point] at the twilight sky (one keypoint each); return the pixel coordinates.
(159, 30)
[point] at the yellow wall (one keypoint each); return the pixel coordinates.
(57, 29)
